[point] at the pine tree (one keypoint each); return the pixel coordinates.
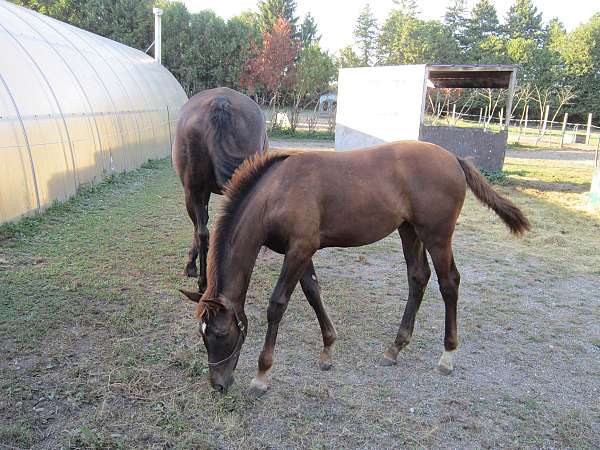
(482, 26)
(309, 32)
(365, 33)
(456, 20)
(270, 10)
(407, 7)
(524, 21)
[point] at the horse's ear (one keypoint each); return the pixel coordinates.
(193, 296)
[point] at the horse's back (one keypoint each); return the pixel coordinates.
(361, 196)
(217, 130)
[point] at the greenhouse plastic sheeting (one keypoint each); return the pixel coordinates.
(74, 108)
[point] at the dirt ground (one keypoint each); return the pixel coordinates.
(99, 351)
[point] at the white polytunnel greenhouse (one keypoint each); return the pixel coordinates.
(74, 108)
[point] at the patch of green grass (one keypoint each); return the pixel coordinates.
(92, 439)
(286, 133)
(549, 172)
(495, 177)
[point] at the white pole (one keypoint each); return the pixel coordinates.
(564, 129)
(545, 122)
(589, 129)
(157, 35)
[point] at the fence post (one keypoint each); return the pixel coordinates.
(564, 129)
(501, 118)
(589, 129)
(526, 115)
(596, 154)
(480, 114)
(454, 113)
(545, 122)
(485, 119)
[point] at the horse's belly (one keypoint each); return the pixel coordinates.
(357, 232)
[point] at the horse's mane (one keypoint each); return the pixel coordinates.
(236, 191)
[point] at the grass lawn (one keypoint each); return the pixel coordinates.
(99, 351)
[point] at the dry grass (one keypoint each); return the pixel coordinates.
(98, 351)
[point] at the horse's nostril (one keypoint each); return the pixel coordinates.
(220, 388)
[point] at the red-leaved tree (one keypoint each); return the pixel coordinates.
(271, 70)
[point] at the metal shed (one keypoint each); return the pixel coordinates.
(74, 108)
(385, 104)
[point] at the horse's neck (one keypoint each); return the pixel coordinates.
(239, 258)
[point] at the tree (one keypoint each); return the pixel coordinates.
(455, 19)
(482, 25)
(408, 40)
(580, 51)
(308, 32)
(365, 33)
(271, 10)
(270, 71)
(407, 7)
(524, 21)
(313, 73)
(348, 58)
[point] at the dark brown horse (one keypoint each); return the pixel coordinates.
(217, 130)
(297, 204)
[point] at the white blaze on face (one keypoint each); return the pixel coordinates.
(314, 277)
(203, 325)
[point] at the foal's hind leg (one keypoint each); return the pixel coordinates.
(449, 280)
(190, 268)
(312, 291)
(418, 275)
(197, 205)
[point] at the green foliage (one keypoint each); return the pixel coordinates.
(347, 57)
(271, 10)
(524, 21)
(480, 27)
(288, 133)
(365, 33)
(309, 34)
(407, 40)
(455, 19)
(495, 177)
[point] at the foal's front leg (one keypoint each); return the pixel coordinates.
(294, 265)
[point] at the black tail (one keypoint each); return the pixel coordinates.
(220, 117)
(225, 162)
(512, 216)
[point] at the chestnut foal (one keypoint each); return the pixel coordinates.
(217, 130)
(296, 204)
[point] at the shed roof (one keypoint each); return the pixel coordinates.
(470, 76)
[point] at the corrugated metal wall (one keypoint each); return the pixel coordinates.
(74, 108)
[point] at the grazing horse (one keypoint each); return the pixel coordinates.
(217, 130)
(296, 204)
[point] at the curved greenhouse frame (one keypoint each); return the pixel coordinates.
(74, 108)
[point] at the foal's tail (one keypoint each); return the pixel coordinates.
(512, 216)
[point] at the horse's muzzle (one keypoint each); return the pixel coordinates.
(223, 387)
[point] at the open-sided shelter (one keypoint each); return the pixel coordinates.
(387, 103)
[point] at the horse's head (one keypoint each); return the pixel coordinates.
(223, 331)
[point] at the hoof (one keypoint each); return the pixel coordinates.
(445, 366)
(387, 361)
(444, 370)
(257, 389)
(325, 365)
(191, 271)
